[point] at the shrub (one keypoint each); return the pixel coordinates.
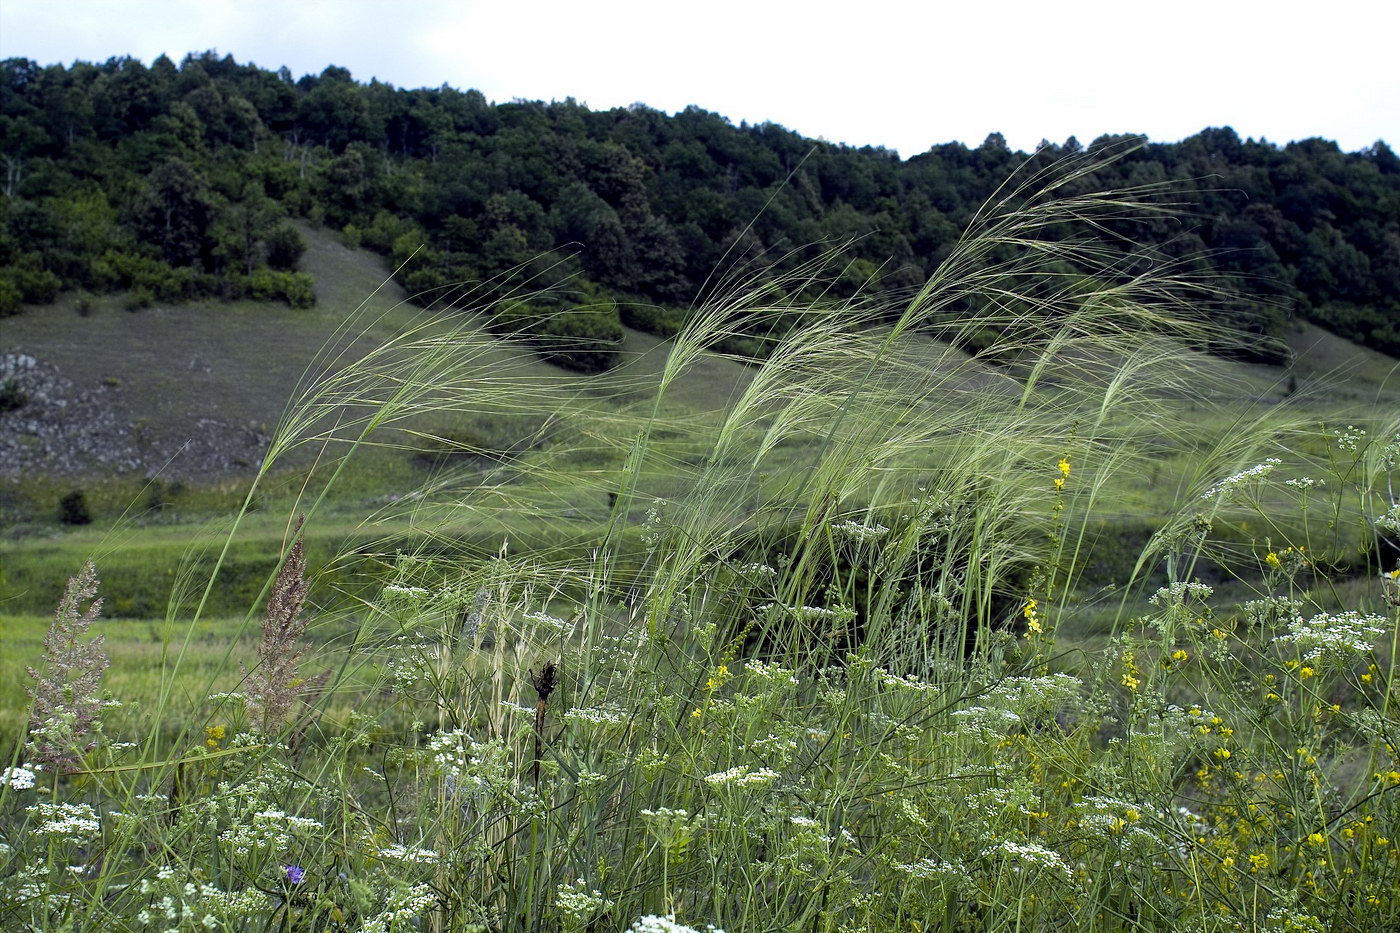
(285, 247)
(36, 286)
(423, 283)
(652, 319)
(295, 288)
(12, 395)
(73, 509)
(586, 339)
(11, 298)
(139, 297)
(381, 234)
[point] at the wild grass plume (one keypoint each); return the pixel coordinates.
(273, 685)
(66, 699)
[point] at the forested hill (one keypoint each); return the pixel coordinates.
(181, 181)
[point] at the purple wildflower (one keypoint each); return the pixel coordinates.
(295, 874)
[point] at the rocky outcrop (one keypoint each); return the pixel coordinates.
(50, 426)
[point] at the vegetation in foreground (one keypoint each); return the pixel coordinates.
(856, 693)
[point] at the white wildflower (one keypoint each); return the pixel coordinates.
(1178, 593)
(73, 822)
(402, 853)
(741, 776)
(1231, 483)
(904, 682)
(932, 869)
(1349, 438)
(860, 532)
(1335, 635)
(653, 923)
(771, 674)
(544, 619)
(577, 902)
(1033, 855)
(17, 778)
(601, 716)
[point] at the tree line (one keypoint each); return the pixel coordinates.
(173, 182)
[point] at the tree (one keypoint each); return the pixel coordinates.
(175, 213)
(285, 247)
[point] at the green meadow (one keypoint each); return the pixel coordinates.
(1038, 615)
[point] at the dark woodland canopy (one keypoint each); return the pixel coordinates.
(179, 181)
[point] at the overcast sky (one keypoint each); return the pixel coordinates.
(905, 74)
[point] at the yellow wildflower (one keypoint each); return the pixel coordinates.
(213, 735)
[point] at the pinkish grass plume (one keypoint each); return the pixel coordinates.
(66, 698)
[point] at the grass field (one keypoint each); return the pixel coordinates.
(874, 636)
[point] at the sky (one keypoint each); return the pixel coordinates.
(904, 74)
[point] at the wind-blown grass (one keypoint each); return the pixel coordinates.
(807, 676)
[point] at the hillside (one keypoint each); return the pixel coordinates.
(176, 183)
(190, 392)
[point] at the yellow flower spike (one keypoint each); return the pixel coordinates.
(1306, 672)
(1180, 655)
(1064, 467)
(1316, 839)
(1272, 560)
(1258, 861)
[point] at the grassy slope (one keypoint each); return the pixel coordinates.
(240, 362)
